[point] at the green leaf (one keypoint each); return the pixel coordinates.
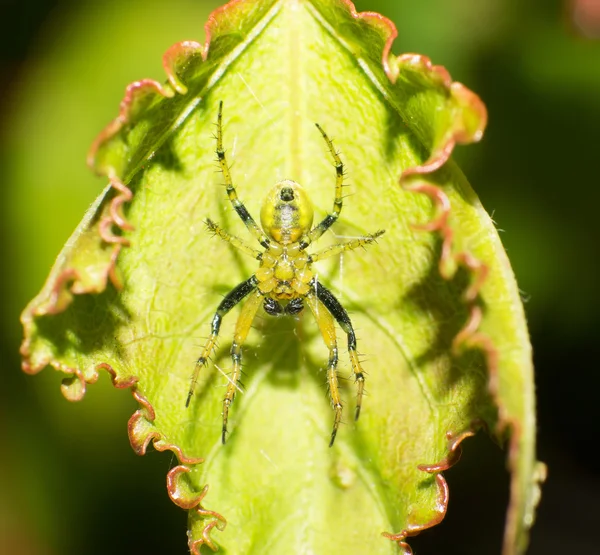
(434, 302)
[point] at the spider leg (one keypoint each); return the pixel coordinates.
(242, 327)
(339, 313)
(331, 218)
(348, 246)
(232, 239)
(327, 327)
(237, 204)
(232, 298)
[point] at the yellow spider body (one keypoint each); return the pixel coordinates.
(286, 216)
(284, 272)
(287, 213)
(284, 280)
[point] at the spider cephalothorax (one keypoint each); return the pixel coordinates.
(284, 280)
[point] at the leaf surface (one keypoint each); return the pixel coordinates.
(436, 308)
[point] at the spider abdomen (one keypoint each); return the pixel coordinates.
(287, 213)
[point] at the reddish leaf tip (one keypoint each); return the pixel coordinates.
(388, 30)
(441, 504)
(135, 94)
(470, 119)
(214, 520)
(177, 57)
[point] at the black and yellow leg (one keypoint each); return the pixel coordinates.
(348, 246)
(339, 313)
(331, 218)
(327, 327)
(237, 204)
(242, 327)
(232, 239)
(231, 299)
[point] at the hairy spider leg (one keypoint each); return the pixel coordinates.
(326, 325)
(339, 313)
(232, 298)
(232, 239)
(242, 327)
(338, 248)
(331, 218)
(237, 204)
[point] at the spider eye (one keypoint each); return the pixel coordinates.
(287, 194)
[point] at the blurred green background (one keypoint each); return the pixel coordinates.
(70, 483)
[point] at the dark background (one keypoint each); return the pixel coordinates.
(70, 483)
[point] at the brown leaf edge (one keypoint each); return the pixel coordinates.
(441, 506)
(65, 281)
(462, 131)
(141, 430)
(470, 336)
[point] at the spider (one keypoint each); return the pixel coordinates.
(284, 280)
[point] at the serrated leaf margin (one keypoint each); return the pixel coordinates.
(412, 180)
